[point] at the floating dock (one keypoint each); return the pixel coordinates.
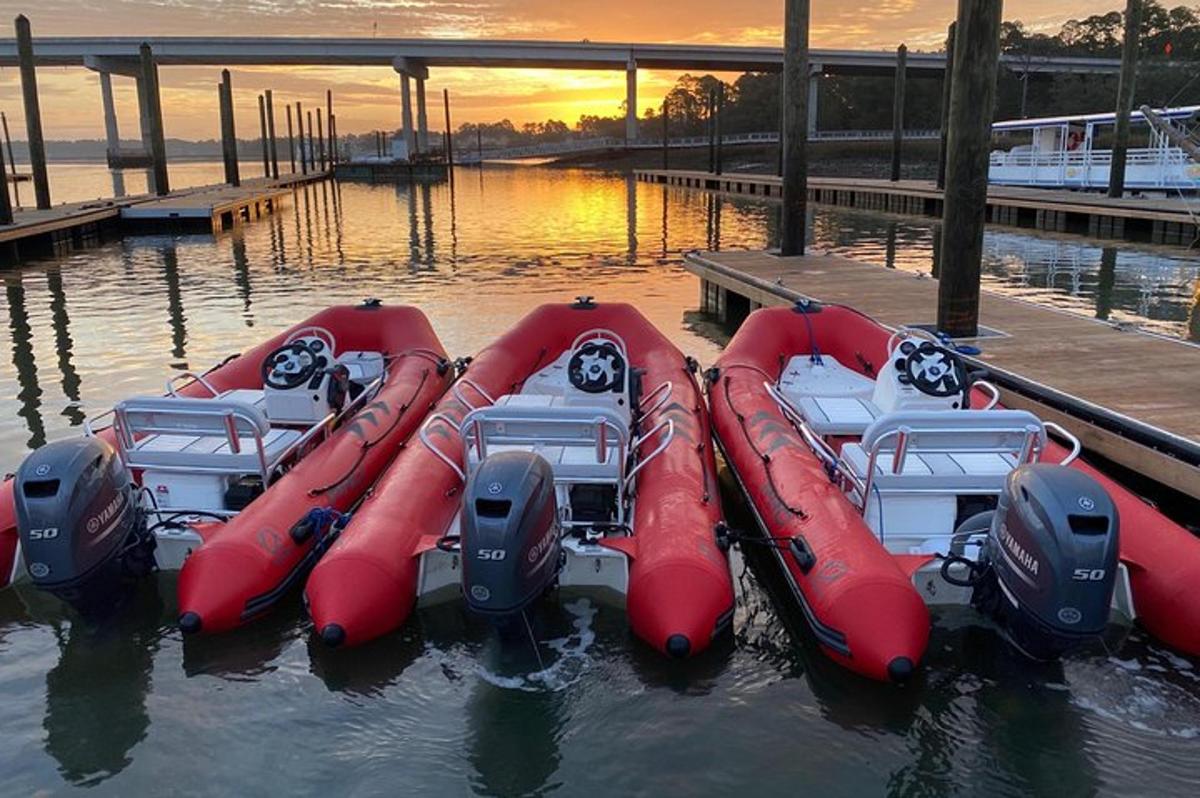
(206, 208)
(1163, 220)
(1129, 396)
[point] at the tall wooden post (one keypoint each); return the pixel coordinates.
(666, 120)
(312, 150)
(6, 211)
(321, 142)
(271, 136)
(333, 141)
(449, 136)
(158, 143)
(33, 113)
(266, 148)
(972, 100)
(898, 110)
(1129, 59)
(303, 150)
(710, 118)
(12, 162)
(947, 82)
(291, 140)
(228, 131)
(717, 133)
(795, 127)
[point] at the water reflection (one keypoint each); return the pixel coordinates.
(30, 393)
(175, 314)
(241, 266)
(63, 344)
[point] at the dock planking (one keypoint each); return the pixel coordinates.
(213, 207)
(1129, 396)
(1159, 220)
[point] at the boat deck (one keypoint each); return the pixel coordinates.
(1128, 395)
(1159, 220)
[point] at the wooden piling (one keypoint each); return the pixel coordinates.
(976, 61)
(947, 82)
(273, 146)
(303, 150)
(710, 126)
(321, 142)
(333, 141)
(1129, 59)
(266, 148)
(449, 136)
(158, 143)
(312, 152)
(12, 162)
(291, 140)
(228, 131)
(795, 127)
(33, 113)
(666, 140)
(6, 211)
(720, 104)
(898, 110)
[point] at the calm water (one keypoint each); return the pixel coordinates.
(439, 708)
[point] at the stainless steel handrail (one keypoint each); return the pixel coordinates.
(990, 389)
(423, 436)
(320, 332)
(195, 378)
(1076, 444)
(600, 332)
(669, 423)
(458, 394)
(665, 390)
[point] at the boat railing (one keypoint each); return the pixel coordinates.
(820, 448)
(424, 436)
(991, 390)
(666, 423)
(603, 334)
(657, 399)
(460, 395)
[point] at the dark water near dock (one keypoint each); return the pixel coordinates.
(438, 708)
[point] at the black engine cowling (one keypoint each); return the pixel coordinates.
(510, 534)
(83, 536)
(1052, 552)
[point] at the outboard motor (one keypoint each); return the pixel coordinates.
(83, 536)
(1050, 560)
(511, 551)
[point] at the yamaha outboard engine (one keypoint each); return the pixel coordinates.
(1050, 559)
(510, 534)
(83, 536)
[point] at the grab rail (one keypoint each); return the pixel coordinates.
(662, 400)
(423, 436)
(820, 448)
(669, 423)
(1076, 444)
(229, 417)
(988, 388)
(458, 394)
(195, 378)
(913, 331)
(321, 332)
(600, 332)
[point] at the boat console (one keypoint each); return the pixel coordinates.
(208, 457)
(579, 420)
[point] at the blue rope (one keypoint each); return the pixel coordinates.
(802, 307)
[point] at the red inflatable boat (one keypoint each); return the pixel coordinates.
(240, 477)
(881, 494)
(574, 453)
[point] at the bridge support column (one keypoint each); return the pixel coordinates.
(406, 116)
(112, 133)
(631, 117)
(422, 119)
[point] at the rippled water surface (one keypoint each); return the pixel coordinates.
(440, 707)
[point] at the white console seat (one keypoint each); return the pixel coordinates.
(832, 398)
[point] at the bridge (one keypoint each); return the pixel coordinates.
(611, 144)
(412, 59)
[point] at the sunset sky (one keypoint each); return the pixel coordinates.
(367, 99)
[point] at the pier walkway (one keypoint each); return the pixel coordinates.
(1129, 396)
(1164, 220)
(209, 208)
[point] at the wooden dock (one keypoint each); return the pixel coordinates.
(209, 208)
(1164, 220)
(1132, 397)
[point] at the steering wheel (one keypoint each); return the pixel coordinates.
(597, 367)
(313, 331)
(290, 366)
(935, 370)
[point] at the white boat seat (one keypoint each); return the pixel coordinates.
(182, 433)
(566, 435)
(250, 396)
(838, 415)
(947, 451)
(802, 377)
